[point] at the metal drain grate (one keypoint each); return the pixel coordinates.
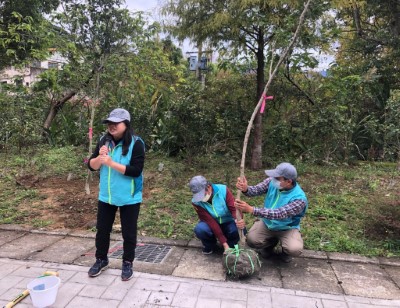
(150, 253)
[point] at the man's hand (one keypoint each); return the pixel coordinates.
(243, 206)
(226, 246)
(241, 184)
(240, 224)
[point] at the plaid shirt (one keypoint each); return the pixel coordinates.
(291, 209)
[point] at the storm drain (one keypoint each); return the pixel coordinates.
(150, 253)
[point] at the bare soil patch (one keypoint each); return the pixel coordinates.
(63, 203)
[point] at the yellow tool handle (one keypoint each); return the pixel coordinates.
(17, 299)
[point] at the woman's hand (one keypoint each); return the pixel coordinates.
(103, 150)
(243, 206)
(241, 184)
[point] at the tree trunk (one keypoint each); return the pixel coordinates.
(55, 107)
(256, 151)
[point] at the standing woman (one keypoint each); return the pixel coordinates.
(119, 156)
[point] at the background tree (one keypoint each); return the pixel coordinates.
(25, 33)
(245, 28)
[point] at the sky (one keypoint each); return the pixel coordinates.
(152, 7)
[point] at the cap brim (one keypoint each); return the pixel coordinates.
(197, 197)
(112, 119)
(272, 173)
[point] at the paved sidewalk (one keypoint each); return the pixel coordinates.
(182, 277)
(150, 290)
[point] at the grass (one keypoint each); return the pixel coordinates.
(352, 209)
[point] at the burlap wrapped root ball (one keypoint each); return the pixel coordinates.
(241, 263)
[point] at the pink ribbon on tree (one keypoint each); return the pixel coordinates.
(90, 133)
(265, 98)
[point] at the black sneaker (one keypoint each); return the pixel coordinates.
(127, 271)
(285, 257)
(98, 267)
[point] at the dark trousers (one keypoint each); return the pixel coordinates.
(105, 219)
(208, 239)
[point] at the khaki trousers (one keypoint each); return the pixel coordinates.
(259, 237)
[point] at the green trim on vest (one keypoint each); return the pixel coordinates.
(218, 208)
(116, 188)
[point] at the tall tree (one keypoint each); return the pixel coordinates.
(25, 34)
(95, 30)
(242, 27)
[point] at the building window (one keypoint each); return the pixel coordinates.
(53, 65)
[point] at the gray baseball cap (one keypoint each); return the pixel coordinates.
(118, 115)
(198, 186)
(286, 170)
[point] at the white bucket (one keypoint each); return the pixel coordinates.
(43, 290)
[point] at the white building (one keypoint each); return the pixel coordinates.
(29, 74)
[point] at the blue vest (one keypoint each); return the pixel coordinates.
(116, 188)
(218, 208)
(276, 199)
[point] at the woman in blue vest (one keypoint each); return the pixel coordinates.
(214, 204)
(119, 155)
(284, 206)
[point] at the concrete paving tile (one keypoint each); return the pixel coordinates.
(222, 293)
(11, 293)
(269, 275)
(94, 291)
(233, 304)
(196, 265)
(6, 269)
(66, 293)
(293, 301)
(11, 282)
(184, 301)
(357, 299)
(27, 245)
(337, 256)
(186, 295)
(314, 254)
(394, 273)
(66, 250)
(30, 272)
(329, 303)
(135, 298)
(335, 297)
(155, 285)
(208, 303)
(389, 261)
(8, 236)
(358, 305)
(160, 298)
(103, 279)
(69, 267)
(388, 303)
(283, 291)
(315, 275)
(87, 302)
(118, 289)
(259, 299)
(368, 280)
